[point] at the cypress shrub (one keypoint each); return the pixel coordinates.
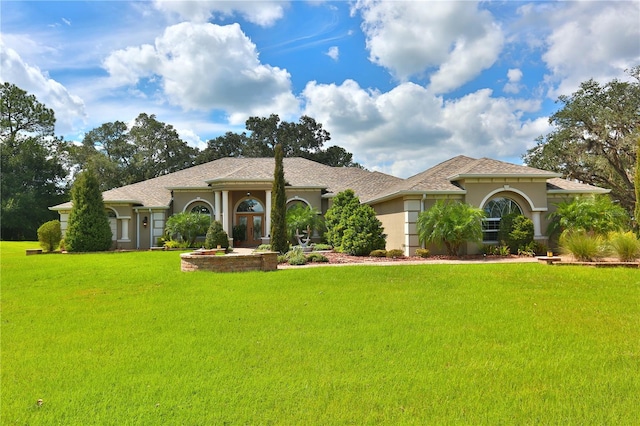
(279, 240)
(363, 232)
(516, 231)
(50, 235)
(343, 206)
(88, 228)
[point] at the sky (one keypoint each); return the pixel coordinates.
(403, 85)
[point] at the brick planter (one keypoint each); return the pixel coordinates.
(264, 261)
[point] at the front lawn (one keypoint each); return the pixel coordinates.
(126, 338)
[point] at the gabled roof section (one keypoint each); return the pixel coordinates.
(566, 186)
(487, 167)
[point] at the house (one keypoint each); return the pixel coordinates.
(238, 191)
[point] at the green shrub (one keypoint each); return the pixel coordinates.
(263, 247)
(216, 236)
(488, 249)
(378, 253)
(343, 206)
(584, 246)
(503, 250)
(395, 253)
(317, 258)
(516, 231)
(423, 252)
(88, 228)
(595, 213)
(363, 232)
(295, 256)
(175, 244)
(50, 235)
(187, 226)
(319, 247)
(625, 246)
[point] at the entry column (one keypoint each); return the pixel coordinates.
(225, 211)
(267, 213)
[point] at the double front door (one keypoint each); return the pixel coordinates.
(253, 228)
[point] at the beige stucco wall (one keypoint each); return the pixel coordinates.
(391, 215)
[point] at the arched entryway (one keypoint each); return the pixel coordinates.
(248, 228)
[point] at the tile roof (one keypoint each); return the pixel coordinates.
(300, 172)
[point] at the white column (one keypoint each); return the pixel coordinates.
(267, 212)
(216, 205)
(535, 218)
(225, 211)
(125, 229)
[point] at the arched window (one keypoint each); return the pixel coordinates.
(295, 203)
(495, 210)
(201, 208)
(250, 205)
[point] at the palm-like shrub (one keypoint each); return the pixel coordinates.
(450, 223)
(625, 246)
(595, 214)
(50, 235)
(584, 246)
(216, 236)
(300, 218)
(187, 226)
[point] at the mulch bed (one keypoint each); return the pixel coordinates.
(340, 258)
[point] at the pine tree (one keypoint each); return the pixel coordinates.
(279, 241)
(88, 228)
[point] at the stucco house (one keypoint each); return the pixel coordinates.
(238, 191)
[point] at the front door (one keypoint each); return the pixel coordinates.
(253, 232)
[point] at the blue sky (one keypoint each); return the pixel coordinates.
(403, 85)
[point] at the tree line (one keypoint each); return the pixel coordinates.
(36, 165)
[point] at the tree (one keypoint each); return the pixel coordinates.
(279, 241)
(108, 152)
(33, 177)
(450, 223)
(595, 136)
(158, 149)
(229, 145)
(343, 206)
(637, 184)
(88, 228)
(363, 232)
(49, 235)
(187, 226)
(595, 214)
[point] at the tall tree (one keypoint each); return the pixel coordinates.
(229, 145)
(637, 183)
(279, 241)
(32, 176)
(595, 135)
(158, 149)
(88, 228)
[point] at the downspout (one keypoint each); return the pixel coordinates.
(137, 229)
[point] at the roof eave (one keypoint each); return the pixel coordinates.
(409, 193)
(549, 175)
(579, 191)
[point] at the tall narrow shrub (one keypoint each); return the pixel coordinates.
(88, 228)
(363, 232)
(342, 207)
(49, 235)
(279, 241)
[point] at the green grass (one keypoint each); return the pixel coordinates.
(126, 338)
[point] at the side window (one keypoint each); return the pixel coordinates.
(495, 210)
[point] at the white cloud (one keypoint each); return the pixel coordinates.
(263, 13)
(514, 75)
(207, 67)
(408, 129)
(69, 109)
(333, 53)
(591, 40)
(409, 38)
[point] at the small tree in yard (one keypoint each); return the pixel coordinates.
(363, 232)
(49, 235)
(343, 206)
(187, 226)
(88, 228)
(595, 214)
(451, 224)
(216, 236)
(299, 218)
(516, 231)
(279, 242)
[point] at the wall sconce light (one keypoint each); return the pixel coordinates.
(248, 194)
(145, 221)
